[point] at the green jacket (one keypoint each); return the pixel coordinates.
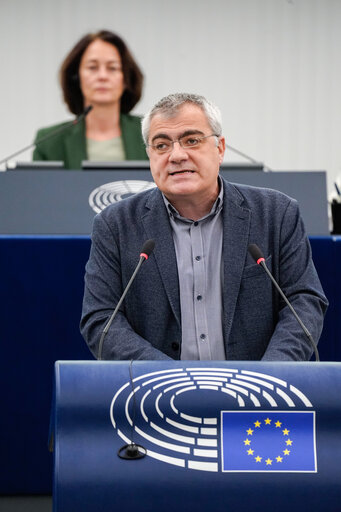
(70, 145)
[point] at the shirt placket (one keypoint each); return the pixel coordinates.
(199, 290)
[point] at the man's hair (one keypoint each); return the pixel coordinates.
(170, 105)
(69, 76)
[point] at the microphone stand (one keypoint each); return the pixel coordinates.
(49, 135)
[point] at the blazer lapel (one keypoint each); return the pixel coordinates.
(132, 139)
(236, 220)
(75, 146)
(157, 226)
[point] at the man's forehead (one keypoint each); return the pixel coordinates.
(187, 117)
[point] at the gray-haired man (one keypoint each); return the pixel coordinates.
(200, 296)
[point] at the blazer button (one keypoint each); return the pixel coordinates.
(175, 345)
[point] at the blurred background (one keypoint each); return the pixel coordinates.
(272, 66)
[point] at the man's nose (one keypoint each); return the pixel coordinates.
(178, 153)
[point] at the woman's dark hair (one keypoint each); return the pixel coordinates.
(69, 76)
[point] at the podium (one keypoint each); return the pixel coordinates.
(218, 435)
(64, 202)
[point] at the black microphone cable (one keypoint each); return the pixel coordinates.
(132, 451)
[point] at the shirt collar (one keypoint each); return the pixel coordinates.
(217, 205)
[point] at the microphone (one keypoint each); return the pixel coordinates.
(247, 157)
(146, 251)
(50, 135)
(257, 255)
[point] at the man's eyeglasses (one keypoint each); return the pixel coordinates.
(186, 142)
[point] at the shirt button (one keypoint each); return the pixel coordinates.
(198, 258)
(199, 297)
(203, 336)
(196, 223)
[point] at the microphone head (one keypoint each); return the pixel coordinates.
(83, 114)
(256, 253)
(87, 110)
(147, 248)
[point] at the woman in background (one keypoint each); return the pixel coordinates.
(99, 71)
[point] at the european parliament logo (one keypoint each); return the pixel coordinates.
(218, 419)
(110, 193)
(268, 441)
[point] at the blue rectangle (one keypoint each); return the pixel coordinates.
(268, 441)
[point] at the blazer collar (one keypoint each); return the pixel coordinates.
(236, 220)
(157, 226)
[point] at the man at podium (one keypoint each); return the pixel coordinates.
(200, 295)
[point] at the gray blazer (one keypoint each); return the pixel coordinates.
(257, 325)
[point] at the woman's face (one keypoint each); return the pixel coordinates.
(100, 74)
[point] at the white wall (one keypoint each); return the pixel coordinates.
(273, 67)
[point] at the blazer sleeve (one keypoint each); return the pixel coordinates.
(103, 289)
(298, 279)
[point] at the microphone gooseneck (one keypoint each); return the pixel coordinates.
(130, 451)
(146, 251)
(257, 255)
(248, 157)
(50, 135)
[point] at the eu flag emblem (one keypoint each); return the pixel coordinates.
(268, 441)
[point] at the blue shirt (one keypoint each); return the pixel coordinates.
(199, 254)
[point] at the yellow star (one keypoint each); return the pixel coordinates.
(249, 432)
(288, 442)
(267, 421)
(250, 452)
(285, 432)
(258, 458)
(279, 459)
(286, 452)
(268, 462)
(278, 424)
(247, 442)
(257, 423)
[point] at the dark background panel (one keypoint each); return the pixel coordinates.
(41, 292)
(57, 202)
(40, 295)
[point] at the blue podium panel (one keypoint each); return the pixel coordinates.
(219, 436)
(326, 255)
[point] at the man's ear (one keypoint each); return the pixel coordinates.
(221, 149)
